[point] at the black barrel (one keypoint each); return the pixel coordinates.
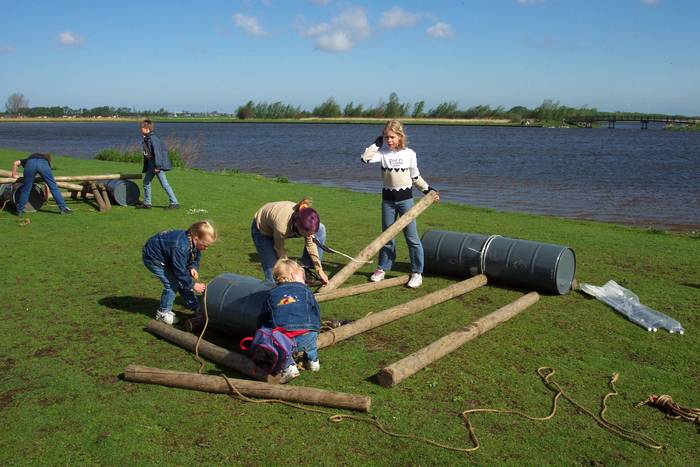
(522, 263)
(122, 192)
(10, 192)
(235, 303)
(453, 253)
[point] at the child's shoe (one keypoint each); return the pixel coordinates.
(312, 365)
(415, 281)
(377, 275)
(289, 373)
(168, 317)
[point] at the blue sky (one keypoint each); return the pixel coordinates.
(628, 55)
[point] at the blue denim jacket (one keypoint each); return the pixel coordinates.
(161, 159)
(176, 252)
(292, 306)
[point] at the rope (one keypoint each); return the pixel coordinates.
(674, 411)
(199, 339)
(328, 249)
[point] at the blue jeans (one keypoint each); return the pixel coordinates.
(391, 210)
(307, 343)
(150, 173)
(170, 287)
(268, 256)
(41, 167)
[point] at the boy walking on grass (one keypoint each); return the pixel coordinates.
(156, 162)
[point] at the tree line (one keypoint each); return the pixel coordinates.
(549, 110)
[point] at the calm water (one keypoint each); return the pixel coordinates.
(630, 176)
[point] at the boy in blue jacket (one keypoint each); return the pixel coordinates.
(292, 307)
(173, 257)
(155, 163)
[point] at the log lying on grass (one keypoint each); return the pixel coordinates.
(71, 178)
(216, 354)
(70, 186)
(391, 314)
(376, 245)
(217, 384)
(397, 372)
(361, 288)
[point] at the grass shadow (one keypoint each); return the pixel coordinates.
(694, 286)
(144, 305)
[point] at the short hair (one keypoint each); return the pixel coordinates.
(147, 122)
(395, 126)
(284, 269)
(203, 229)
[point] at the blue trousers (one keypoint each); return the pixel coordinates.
(391, 210)
(150, 173)
(268, 256)
(170, 287)
(32, 167)
(307, 343)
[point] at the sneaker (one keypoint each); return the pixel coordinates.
(377, 275)
(415, 281)
(289, 374)
(141, 205)
(313, 365)
(168, 317)
(66, 211)
(172, 206)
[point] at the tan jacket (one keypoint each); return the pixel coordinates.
(275, 220)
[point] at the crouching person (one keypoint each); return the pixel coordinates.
(173, 257)
(292, 307)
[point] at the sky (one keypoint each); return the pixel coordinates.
(206, 55)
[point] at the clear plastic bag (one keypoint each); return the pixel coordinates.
(627, 303)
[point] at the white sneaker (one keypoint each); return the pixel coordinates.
(168, 317)
(415, 281)
(377, 275)
(289, 373)
(312, 365)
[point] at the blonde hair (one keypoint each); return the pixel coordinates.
(203, 229)
(305, 202)
(395, 126)
(284, 269)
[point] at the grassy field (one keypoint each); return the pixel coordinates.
(76, 298)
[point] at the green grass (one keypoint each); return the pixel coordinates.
(76, 298)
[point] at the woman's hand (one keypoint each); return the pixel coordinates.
(194, 273)
(199, 287)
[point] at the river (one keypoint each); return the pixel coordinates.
(647, 178)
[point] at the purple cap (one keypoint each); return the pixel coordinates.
(308, 220)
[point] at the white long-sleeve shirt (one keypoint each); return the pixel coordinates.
(399, 170)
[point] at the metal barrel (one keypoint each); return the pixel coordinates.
(235, 303)
(453, 253)
(10, 192)
(522, 263)
(122, 192)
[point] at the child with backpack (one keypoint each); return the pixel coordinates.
(292, 307)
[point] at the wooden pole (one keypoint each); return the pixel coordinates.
(69, 186)
(105, 195)
(217, 384)
(397, 372)
(372, 249)
(216, 354)
(361, 288)
(72, 178)
(98, 197)
(391, 314)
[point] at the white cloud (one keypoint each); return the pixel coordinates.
(342, 33)
(70, 38)
(397, 17)
(650, 2)
(530, 2)
(6, 49)
(249, 24)
(440, 30)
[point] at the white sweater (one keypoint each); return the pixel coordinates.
(400, 171)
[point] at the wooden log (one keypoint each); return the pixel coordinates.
(391, 314)
(372, 249)
(216, 354)
(361, 288)
(217, 384)
(69, 186)
(397, 372)
(8, 180)
(72, 178)
(98, 197)
(105, 195)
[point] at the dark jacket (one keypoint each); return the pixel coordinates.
(159, 152)
(292, 306)
(176, 252)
